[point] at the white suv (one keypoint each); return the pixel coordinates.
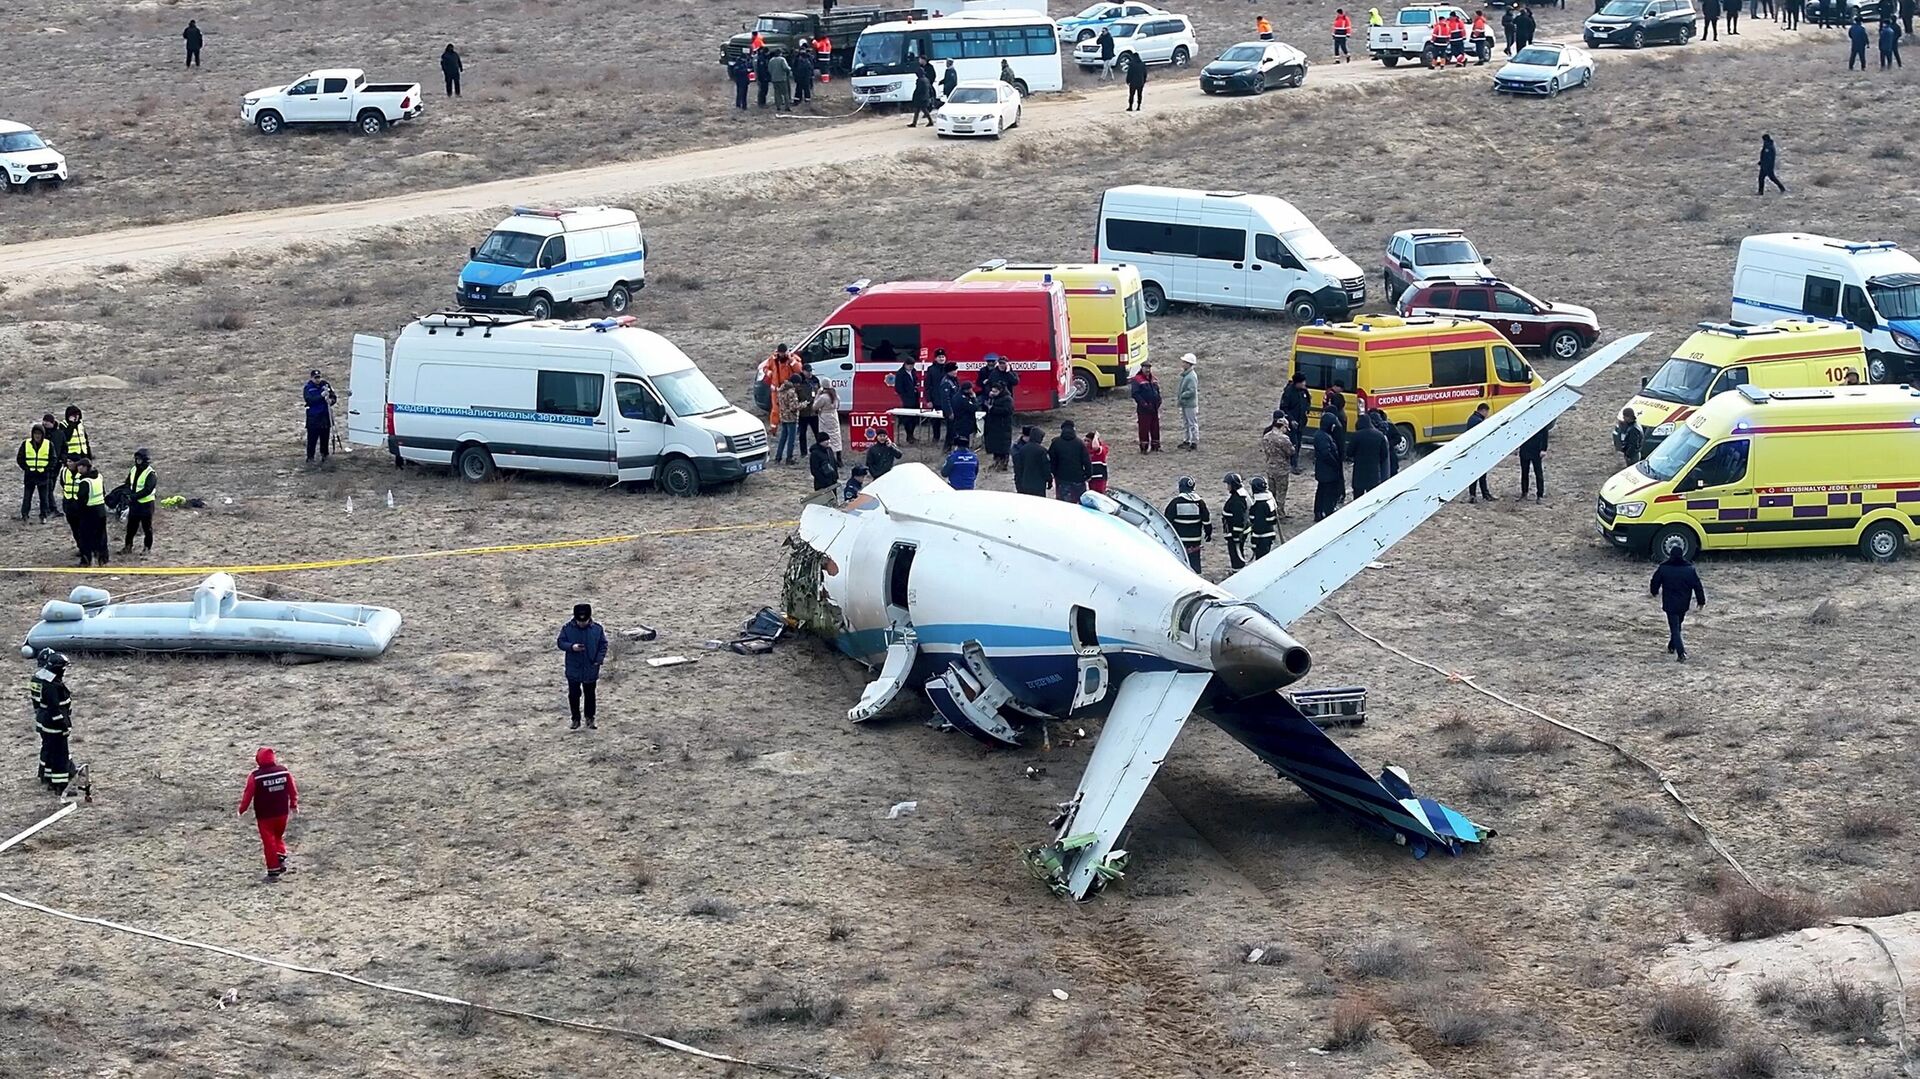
(1156, 39)
(26, 158)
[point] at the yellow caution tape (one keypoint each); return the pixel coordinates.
(369, 560)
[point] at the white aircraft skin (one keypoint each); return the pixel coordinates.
(1029, 608)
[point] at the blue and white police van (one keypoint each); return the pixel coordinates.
(1874, 286)
(536, 260)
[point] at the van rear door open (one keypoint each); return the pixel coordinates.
(367, 392)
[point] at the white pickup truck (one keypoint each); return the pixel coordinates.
(333, 96)
(1405, 38)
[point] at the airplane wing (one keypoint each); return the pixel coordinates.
(1293, 579)
(1148, 713)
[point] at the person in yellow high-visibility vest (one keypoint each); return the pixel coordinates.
(140, 497)
(36, 465)
(75, 508)
(92, 511)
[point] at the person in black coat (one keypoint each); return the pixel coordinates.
(191, 35)
(1523, 27)
(1769, 157)
(906, 387)
(965, 412)
(1032, 468)
(882, 455)
(1478, 489)
(803, 70)
(761, 76)
(739, 70)
(822, 463)
(1857, 43)
(922, 93)
(1506, 29)
(1136, 82)
(948, 80)
(999, 425)
(1385, 427)
(1329, 477)
(1677, 584)
(1070, 463)
(1531, 453)
(1370, 453)
(450, 69)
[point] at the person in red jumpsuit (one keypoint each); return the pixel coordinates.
(273, 797)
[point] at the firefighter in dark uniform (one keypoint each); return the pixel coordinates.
(1263, 518)
(1191, 521)
(1233, 513)
(53, 718)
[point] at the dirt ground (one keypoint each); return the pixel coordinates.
(716, 863)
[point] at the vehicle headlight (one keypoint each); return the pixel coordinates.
(507, 289)
(1906, 341)
(1630, 509)
(720, 442)
(1663, 430)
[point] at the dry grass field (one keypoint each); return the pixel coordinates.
(716, 864)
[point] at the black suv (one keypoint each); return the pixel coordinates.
(1636, 23)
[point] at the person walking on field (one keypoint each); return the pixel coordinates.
(1106, 55)
(821, 464)
(740, 71)
(1280, 444)
(1677, 584)
(1506, 30)
(1263, 518)
(1370, 452)
(140, 497)
(1145, 392)
(1627, 437)
(1478, 489)
(1857, 43)
(1070, 464)
(999, 425)
(1889, 44)
(585, 643)
(1262, 27)
(450, 69)
(826, 414)
(1233, 515)
(271, 794)
(1328, 475)
(781, 72)
(1532, 451)
(1342, 30)
(1136, 82)
(1191, 521)
(1189, 398)
(1769, 157)
(922, 94)
(1730, 10)
(318, 396)
(192, 37)
(1097, 451)
(36, 466)
(1032, 465)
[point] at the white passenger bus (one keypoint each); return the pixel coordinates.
(977, 42)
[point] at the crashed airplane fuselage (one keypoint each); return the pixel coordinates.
(1006, 610)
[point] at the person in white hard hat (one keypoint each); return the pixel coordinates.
(1189, 397)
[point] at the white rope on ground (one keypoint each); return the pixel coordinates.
(1665, 783)
(420, 994)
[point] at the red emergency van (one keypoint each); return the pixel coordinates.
(860, 346)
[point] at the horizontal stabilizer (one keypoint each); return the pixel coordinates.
(1285, 738)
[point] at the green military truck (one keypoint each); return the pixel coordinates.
(784, 30)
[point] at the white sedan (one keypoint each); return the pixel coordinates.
(1545, 69)
(978, 108)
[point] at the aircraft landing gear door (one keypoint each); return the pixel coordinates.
(1091, 684)
(902, 643)
(640, 430)
(830, 354)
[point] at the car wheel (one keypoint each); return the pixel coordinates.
(269, 123)
(1083, 386)
(1586, 79)
(1300, 79)
(1686, 34)
(1878, 369)
(1639, 39)
(1553, 86)
(619, 300)
(1675, 538)
(1085, 35)
(1564, 345)
(371, 122)
(1154, 299)
(1016, 117)
(1403, 442)
(1386, 286)
(1021, 85)
(1181, 57)
(475, 464)
(1390, 61)
(6, 183)
(540, 307)
(678, 478)
(1882, 541)
(1302, 309)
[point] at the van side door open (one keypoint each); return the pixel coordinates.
(640, 429)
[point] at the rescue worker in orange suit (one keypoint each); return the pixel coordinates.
(823, 57)
(778, 369)
(273, 798)
(1342, 30)
(1480, 40)
(1264, 27)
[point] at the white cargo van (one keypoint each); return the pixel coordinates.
(1227, 249)
(538, 259)
(1874, 286)
(599, 398)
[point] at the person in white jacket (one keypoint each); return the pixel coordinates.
(826, 409)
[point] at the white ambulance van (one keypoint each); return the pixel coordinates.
(537, 260)
(1226, 249)
(603, 398)
(1874, 286)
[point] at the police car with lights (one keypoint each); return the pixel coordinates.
(537, 260)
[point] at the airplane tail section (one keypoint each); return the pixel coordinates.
(1280, 734)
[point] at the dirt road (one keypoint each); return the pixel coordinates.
(41, 264)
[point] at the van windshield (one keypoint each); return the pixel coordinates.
(1625, 9)
(509, 249)
(688, 393)
(1244, 54)
(1668, 458)
(1896, 297)
(1683, 382)
(1136, 309)
(1310, 245)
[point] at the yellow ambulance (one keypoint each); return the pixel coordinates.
(1427, 374)
(1754, 468)
(1106, 317)
(1774, 356)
